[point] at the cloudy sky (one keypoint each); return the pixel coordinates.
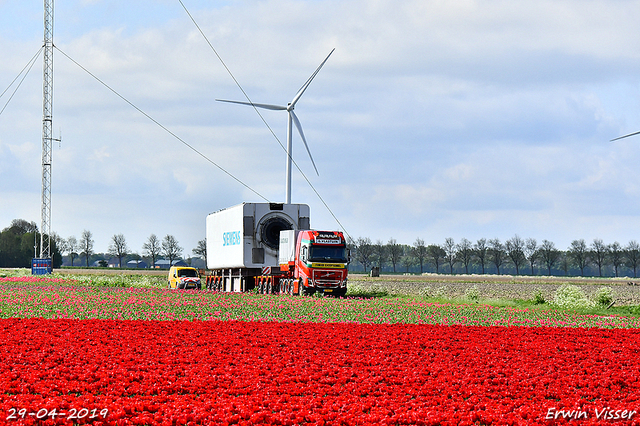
(431, 119)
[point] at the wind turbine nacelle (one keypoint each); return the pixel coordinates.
(248, 235)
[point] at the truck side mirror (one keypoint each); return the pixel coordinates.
(348, 255)
(303, 254)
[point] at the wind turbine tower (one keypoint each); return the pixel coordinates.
(47, 124)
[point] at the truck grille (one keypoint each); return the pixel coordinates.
(327, 277)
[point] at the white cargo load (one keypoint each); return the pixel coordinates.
(248, 235)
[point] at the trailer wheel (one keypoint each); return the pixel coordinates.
(290, 292)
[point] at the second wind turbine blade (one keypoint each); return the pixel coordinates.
(265, 106)
(299, 127)
(625, 136)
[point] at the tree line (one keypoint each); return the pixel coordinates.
(20, 242)
(513, 256)
(153, 248)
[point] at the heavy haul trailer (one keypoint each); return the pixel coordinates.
(243, 246)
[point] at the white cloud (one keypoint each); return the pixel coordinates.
(431, 119)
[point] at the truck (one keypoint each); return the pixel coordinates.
(270, 248)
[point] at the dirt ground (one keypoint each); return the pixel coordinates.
(497, 286)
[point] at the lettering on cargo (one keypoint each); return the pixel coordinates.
(231, 238)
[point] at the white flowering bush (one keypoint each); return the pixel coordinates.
(437, 292)
(569, 296)
(356, 290)
(538, 297)
(472, 293)
(603, 296)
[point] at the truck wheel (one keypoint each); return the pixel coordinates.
(290, 292)
(169, 284)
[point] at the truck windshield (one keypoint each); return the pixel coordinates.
(187, 273)
(328, 254)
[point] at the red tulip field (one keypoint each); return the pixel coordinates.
(118, 356)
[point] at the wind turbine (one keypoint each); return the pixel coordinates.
(292, 119)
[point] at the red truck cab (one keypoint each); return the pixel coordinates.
(318, 261)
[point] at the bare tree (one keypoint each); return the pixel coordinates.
(632, 255)
(420, 252)
(549, 254)
(86, 245)
(598, 253)
(496, 252)
(171, 248)
(72, 247)
(407, 259)
(435, 254)
(480, 250)
(380, 252)
(364, 252)
(464, 252)
(565, 262)
(449, 248)
(531, 252)
(515, 250)
(61, 244)
(616, 255)
(201, 250)
(118, 248)
(152, 249)
(395, 252)
(579, 254)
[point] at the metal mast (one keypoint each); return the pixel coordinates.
(47, 124)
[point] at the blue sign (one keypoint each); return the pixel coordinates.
(41, 266)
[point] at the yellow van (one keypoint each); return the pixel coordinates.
(184, 277)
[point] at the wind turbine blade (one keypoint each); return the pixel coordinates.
(625, 136)
(308, 82)
(265, 106)
(299, 126)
